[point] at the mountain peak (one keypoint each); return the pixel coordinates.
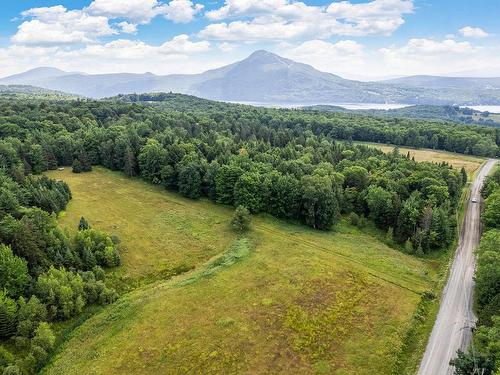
(263, 56)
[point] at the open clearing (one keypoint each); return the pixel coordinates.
(470, 163)
(292, 300)
(159, 231)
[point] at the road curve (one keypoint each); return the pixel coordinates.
(453, 327)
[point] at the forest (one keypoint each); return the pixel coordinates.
(295, 165)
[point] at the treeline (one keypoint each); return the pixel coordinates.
(44, 275)
(285, 163)
(484, 355)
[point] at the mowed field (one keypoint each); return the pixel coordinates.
(284, 299)
(470, 163)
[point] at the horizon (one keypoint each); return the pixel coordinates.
(358, 39)
(252, 53)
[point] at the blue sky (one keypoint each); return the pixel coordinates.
(365, 39)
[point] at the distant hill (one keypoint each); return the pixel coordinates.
(428, 112)
(265, 77)
(27, 91)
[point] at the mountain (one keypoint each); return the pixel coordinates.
(266, 78)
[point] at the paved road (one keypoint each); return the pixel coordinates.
(452, 329)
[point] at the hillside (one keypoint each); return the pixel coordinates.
(429, 112)
(271, 308)
(262, 77)
(27, 91)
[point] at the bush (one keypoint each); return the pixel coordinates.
(241, 219)
(353, 219)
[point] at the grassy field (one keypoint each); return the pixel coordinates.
(159, 232)
(470, 163)
(286, 299)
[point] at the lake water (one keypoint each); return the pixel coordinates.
(344, 105)
(484, 108)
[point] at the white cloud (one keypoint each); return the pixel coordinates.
(140, 11)
(473, 32)
(286, 19)
(341, 57)
(227, 47)
(127, 28)
(57, 25)
(181, 10)
(177, 55)
(430, 48)
(143, 11)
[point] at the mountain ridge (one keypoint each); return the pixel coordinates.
(266, 77)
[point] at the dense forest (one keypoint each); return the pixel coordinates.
(294, 165)
(484, 354)
(449, 113)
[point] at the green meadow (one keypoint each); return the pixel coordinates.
(285, 298)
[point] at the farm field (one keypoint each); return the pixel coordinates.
(284, 299)
(470, 163)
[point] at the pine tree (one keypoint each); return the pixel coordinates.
(241, 219)
(464, 175)
(84, 224)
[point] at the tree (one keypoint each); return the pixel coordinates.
(129, 162)
(472, 363)
(356, 177)
(30, 314)
(151, 160)
(8, 315)
(225, 181)
(83, 224)
(491, 214)
(96, 247)
(488, 270)
(62, 292)
(381, 206)
(241, 219)
(14, 277)
(320, 208)
(248, 192)
(463, 174)
(408, 217)
(190, 180)
(44, 337)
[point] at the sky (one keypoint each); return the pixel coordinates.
(357, 39)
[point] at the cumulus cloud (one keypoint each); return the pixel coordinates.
(177, 55)
(57, 25)
(473, 32)
(143, 11)
(127, 28)
(181, 10)
(430, 48)
(341, 57)
(285, 19)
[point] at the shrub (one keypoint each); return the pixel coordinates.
(241, 219)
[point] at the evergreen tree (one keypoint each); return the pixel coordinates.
(241, 219)
(83, 224)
